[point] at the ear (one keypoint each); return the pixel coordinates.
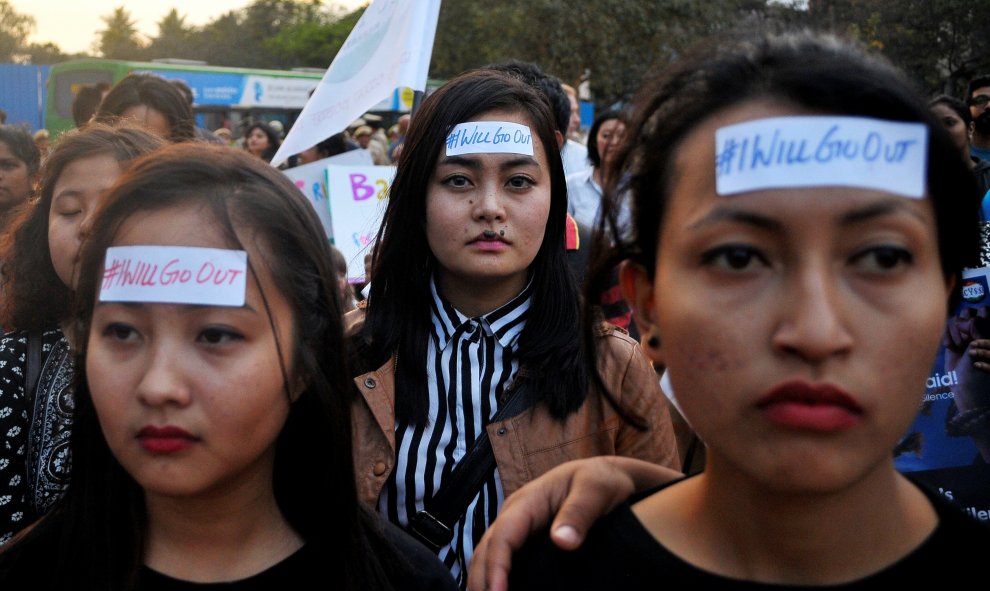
(560, 139)
(637, 289)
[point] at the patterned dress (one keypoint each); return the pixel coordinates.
(34, 431)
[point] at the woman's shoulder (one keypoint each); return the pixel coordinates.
(618, 553)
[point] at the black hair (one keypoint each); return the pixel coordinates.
(958, 107)
(398, 317)
(978, 81)
(85, 103)
(817, 73)
(333, 145)
(22, 145)
(183, 88)
(99, 528)
(550, 86)
(154, 92)
(594, 155)
(273, 140)
(34, 296)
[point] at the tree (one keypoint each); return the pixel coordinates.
(44, 53)
(119, 40)
(14, 31)
(173, 39)
(313, 43)
(620, 41)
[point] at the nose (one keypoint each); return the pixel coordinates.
(813, 323)
(489, 207)
(163, 382)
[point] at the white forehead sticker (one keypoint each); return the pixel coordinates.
(783, 152)
(175, 275)
(489, 137)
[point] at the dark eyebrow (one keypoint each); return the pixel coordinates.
(891, 206)
(868, 212)
(737, 215)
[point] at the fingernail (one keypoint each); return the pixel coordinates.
(566, 534)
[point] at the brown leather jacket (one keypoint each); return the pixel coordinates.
(532, 442)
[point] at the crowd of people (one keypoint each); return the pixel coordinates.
(758, 256)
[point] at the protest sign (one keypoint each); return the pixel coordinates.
(357, 202)
(389, 47)
(948, 445)
(311, 179)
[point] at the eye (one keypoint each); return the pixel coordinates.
(883, 258)
(520, 182)
(733, 257)
(218, 335)
(456, 181)
(70, 213)
(119, 331)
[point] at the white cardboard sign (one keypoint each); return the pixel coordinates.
(814, 151)
(489, 137)
(175, 275)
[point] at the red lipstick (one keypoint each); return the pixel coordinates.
(810, 407)
(165, 440)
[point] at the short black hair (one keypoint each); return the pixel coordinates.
(550, 86)
(978, 81)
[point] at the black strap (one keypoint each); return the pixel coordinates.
(32, 363)
(434, 524)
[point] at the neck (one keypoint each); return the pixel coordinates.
(738, 528)
(225, 536)
(476, 298)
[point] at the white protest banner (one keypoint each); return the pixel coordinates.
(817, 151)
(174, 275)
(389, 47)
(357, 203)
(311, 179)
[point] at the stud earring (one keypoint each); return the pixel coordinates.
(653, 342)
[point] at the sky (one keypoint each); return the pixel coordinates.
(73, 26)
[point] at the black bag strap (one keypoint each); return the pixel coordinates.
(32, 364)
(434, 524)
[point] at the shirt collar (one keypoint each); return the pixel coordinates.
(505, 323)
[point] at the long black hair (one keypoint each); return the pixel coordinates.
(98, 530)
(813, 72)
(398, 319)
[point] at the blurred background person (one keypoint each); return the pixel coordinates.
(261, 140)
(333, 145)
(151, 102)
(584, 188)
(19, 164)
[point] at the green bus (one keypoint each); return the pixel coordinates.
(223, 97)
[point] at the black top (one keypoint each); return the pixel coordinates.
(306, 569)
(619, 553)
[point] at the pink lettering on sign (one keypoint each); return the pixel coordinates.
(359, 188)
(174, 274)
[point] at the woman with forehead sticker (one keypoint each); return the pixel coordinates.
(39, 259)
(474, 375)
(212, 444)
(792, 258)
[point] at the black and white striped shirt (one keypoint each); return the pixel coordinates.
(470, 362)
